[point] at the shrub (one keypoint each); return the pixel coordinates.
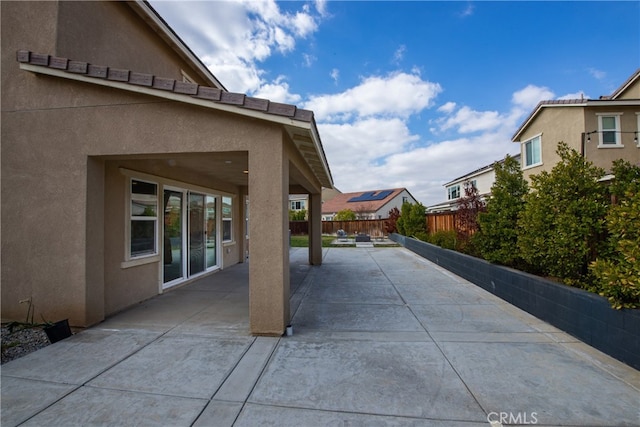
(627, 179)
(412, 221)
(345, 215)
(497, 236)
(300, 215)
(563, 217)
(466, 219)
(617, 270)
(444, 239)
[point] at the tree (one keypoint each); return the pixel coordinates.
(563, 217)
(497, 237)
(466, 219)
(390, 225)
(412, 221)
(345, 215)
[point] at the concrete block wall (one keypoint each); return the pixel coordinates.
(584, 315)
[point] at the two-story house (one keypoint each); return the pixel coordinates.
(603, 129)
(482, 179)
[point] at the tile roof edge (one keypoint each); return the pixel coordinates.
(153, 82)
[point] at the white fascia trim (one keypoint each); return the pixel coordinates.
(470, 175)
(318, 146)
(607, 103)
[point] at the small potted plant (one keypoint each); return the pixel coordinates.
(58, 330)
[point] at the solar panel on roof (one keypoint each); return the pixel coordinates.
(371, 196)
(383, 194)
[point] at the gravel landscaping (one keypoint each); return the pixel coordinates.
(21, 340)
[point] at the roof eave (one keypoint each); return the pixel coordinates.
(323, 173)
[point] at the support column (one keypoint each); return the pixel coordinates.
(269, 230)
(94, 241)
(315, 228)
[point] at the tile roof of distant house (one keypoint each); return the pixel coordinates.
(101, 72)
(361, 201)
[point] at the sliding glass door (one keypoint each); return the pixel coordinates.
(173, 235)
(196, 234)
(211, 224)
(190, 234)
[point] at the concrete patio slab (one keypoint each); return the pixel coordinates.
(355, 317)
(381, 337)
(241, 381)
(227, 314)
(90, 406)
(24, 397)
(410, 379)
(354, 293)
(219, 414)
(467, 318)
(440, 294)
(185, 366)
(260, 415)
(544, 379)
(79, 358)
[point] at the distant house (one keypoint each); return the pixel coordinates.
(482, 178)
(300, 202)
(603, 129)
(127, 167)
(374, 204)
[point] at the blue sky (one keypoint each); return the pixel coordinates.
(413, 94)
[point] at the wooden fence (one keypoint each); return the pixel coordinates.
(445, 221)
(374, 227)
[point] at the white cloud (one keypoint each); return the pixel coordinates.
(468, 11)
(278, 91)
(530, 96)
(597, 74)
(321, 8)
(398, 94)
(365, 140)
(423, 169)
(466, 120)
(335, 75)
(576, 95)
(233, 37)
(398, 55)
(447, 108)
(308, 59)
